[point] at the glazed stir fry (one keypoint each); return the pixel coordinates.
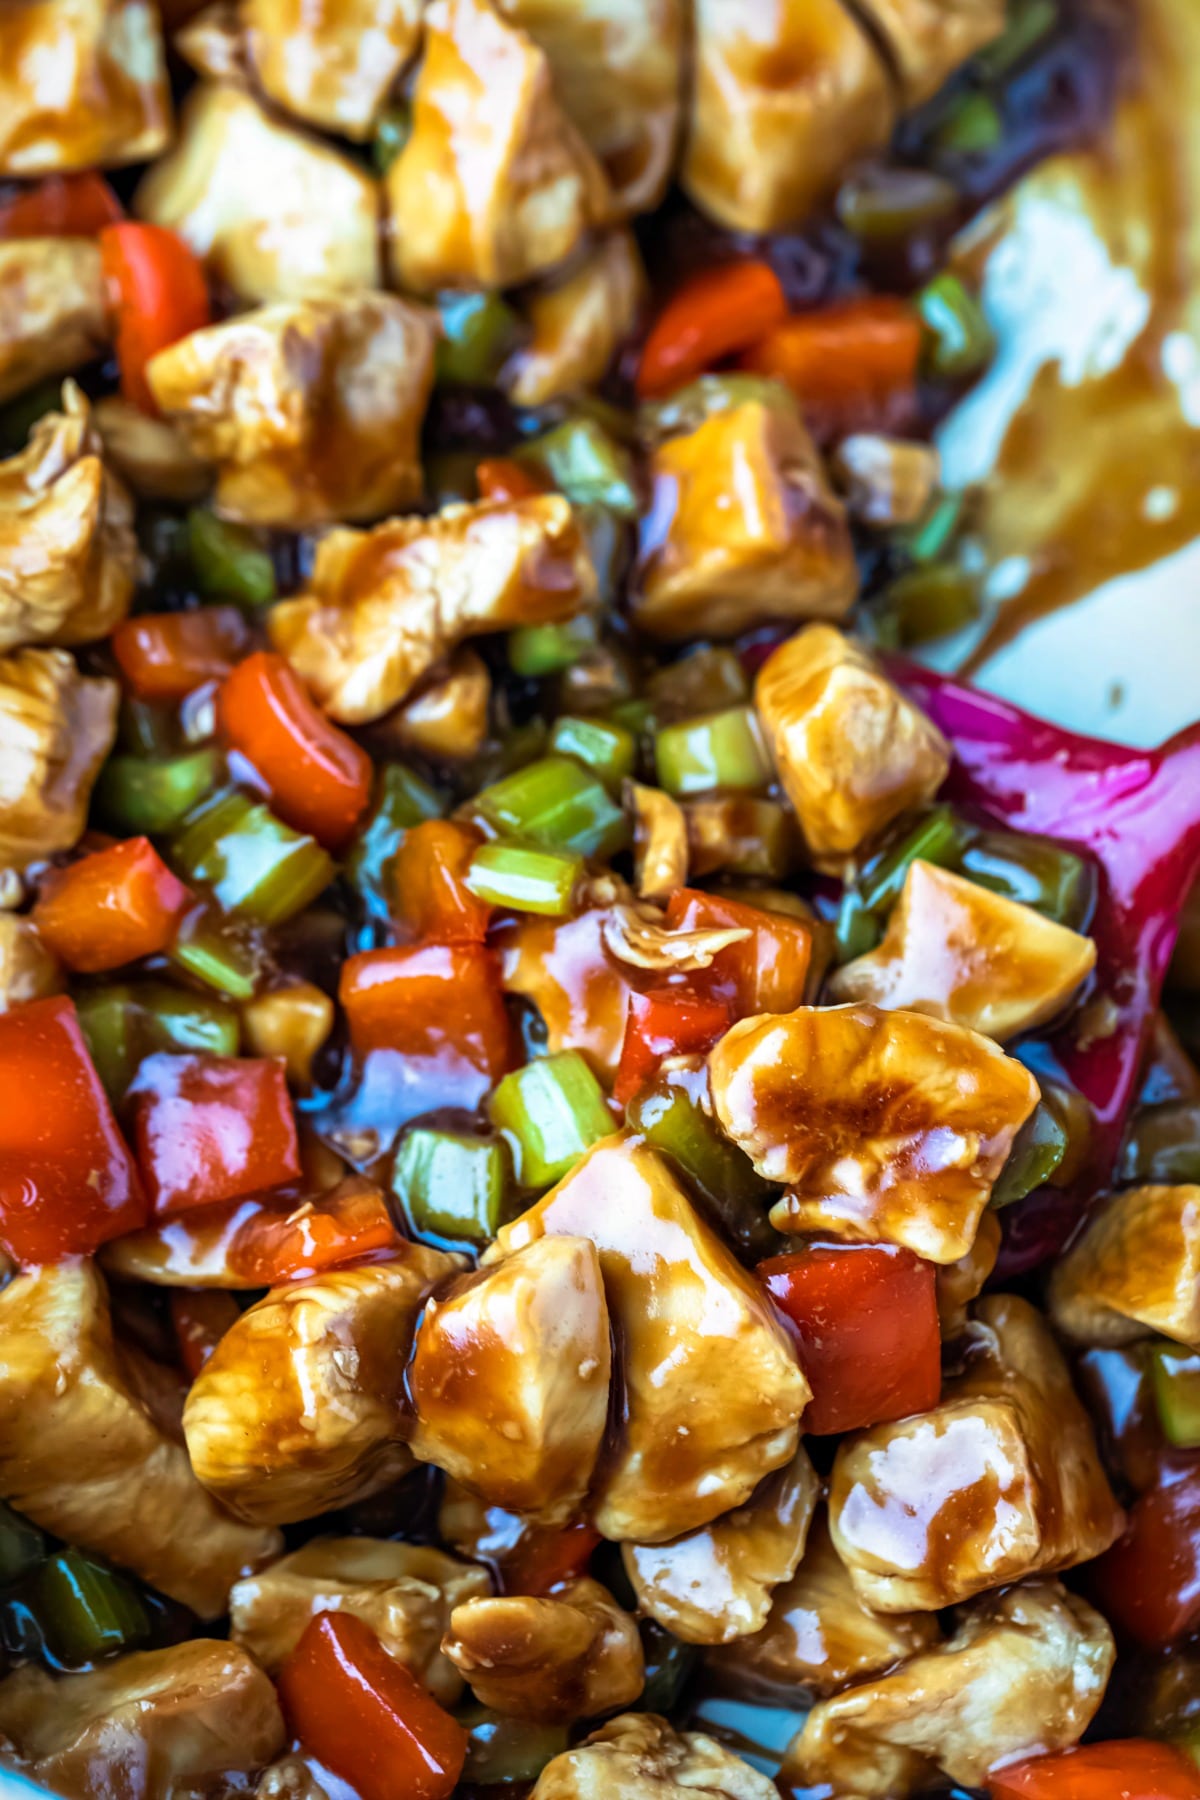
(596, 1200)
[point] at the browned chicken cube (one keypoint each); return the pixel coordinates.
(151, 455)
(310, 410)
(712, 1389)
(28, 971)
(577, 322)
(742, 528)
(509, 1379)
(298, 1409)
(81, 86)
(784, 96)
(640, 1757)
(447, 718)
(332, 64)
(570, 1655)
(404, 1592)
(160, 1723)
(715, 1585)
(1133, 1270)
(1000, 1481)
(852, 752)
(495, 186)
(53, 316)
(1024, 1673)
(82, 1454)
(384, 607)
(884, 1125)
(958, 952)
(57, 726)
(68, 555)
(929, 39)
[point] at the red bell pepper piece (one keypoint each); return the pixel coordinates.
(362, 1714)
(1123, 1769)
(319, 780)
(1148, 1584)
(503, 478)
(428, 881)
(200, 1317)
(157, 293)
(211, 1128)
(60, 206)
(1137, 813)
(852, 366)
(666, 1021)
(866, 1319)
(111, 907)
(271, 1246)
(164, 656)
(766, 972)
(542, 1560)
(710, 317)
(67, 1181)
(438, 1002)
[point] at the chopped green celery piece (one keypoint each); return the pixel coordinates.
(607, 748)
(126, 1021)
(973, 124)
(1163, 1145)
(939, 836)
(669, 1663)
(1038, 1149)
(106, 1020)
(555, 803)
(502, 1749)
(636, 716)
(393, 128)
(206, 948)
(958, 338)
(689, 406)
(137, 794)
(1029, 22)
(718, 750)
(1176, 1373)
(884, 203)
(22, 1546)
(478, 332)
(669, 1113)
(932, 601)
(1036, 871)
(929, 541)
(228, 561)
(86, 1610)
(524, 878)
(147, 730)
(550, 1112)
(606, 534)
(256, 866)
(587, 465)
(536, 650)
(401, 800)
(451, 1186)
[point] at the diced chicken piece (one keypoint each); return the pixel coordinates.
(151, 455)
(384, 607)
(274, 213)
(743, 528)
(495, 185)
(509, 1379)
(57, 727)
(887, 481)
(884, 1125)
(1133, 1270)
(958, 1283)
(1000, 1481)
(81, 1455)
(578, 322)
(819, 1637)
(404, 1592)
(784, 97)
(715, 1585)
(53, 317)
(310, 410)
(958, 952)
(149, 1726)
(447, 720)
(929, 39)
(660, 841)
(68, 554)
(81, 85)
(712, 1388)
(298, 1409)
(640, 1757)
(851, 751)
(28, 971)
(618, 68)
(569, 1656)
(737, 832)
(212, 42)
(333, 64)
(1024, 1673)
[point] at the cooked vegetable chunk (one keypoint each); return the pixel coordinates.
(1000, 1481)
(334, 64)
(884, 1125)
(1133, 1271)
(577, 322)
(571, 1655)
(57, 727)
(310, 410)
(81, 1454)
(851, 751)
(52, 311)
(639, 1755)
